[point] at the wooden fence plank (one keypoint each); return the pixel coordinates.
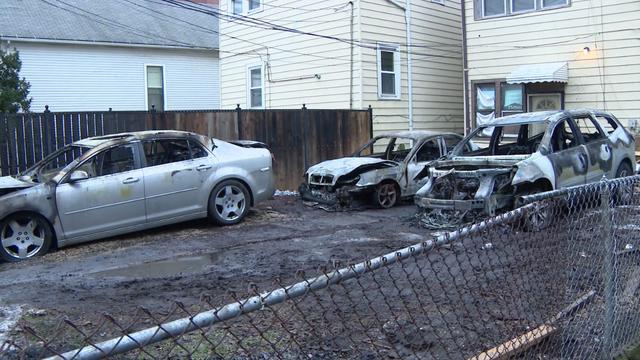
(4, 150)
(28, 141)
(20, 144)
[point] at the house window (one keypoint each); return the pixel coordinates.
(388, 73)
(236, 6)
(496, 8)
(493, 7)
(512, 99)
(254, 5)
(155, 88)
(553, 3)
(522, 5)
(255, 93)
(485, 103)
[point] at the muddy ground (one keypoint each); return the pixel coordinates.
(449, 303)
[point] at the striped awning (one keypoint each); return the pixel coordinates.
(535, 73)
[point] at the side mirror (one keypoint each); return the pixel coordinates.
(78, 175)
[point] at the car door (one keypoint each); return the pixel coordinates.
(111, 199)
(428, 151)
(598, 147)
(171, 179)
(568, 155)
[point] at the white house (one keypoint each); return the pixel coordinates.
(89, 55)
(404, 58)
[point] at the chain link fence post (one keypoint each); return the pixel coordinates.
(609, 267)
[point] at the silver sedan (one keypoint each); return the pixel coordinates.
(115, 184)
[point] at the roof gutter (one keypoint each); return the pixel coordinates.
(100, 43)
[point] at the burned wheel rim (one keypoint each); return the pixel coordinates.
(230, 203)
(539, 217)
(386, 195)
(624, 191)
(23, 236)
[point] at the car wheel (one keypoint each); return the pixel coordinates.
(386, 195)
(540, 216)
(623, 192)
(228, 203)
(24, 235)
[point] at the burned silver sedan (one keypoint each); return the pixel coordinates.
(384, 169)
(115, 184)
(528, 153)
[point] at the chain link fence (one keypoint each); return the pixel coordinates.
(557, 278)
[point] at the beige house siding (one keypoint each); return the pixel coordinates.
(607, 77)
(437, 64)
(291, 60)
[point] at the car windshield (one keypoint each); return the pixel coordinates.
(387, 148)
(46, 169)
(520, 139)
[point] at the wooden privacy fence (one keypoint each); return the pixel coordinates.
(298, 138)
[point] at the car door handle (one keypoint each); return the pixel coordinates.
(130, 180)
(203, 167)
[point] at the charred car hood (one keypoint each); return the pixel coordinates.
(343, 166)
(10, 184)
(479, 162)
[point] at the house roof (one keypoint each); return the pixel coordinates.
(122, 22)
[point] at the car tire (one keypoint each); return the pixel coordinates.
(23, 236)
(229, 202)
(623, 192)
(542, 214)
(386, 195)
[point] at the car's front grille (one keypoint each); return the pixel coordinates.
(316, 179)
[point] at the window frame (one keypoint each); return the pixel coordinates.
(485, 16)
(440, 2)
(397, 71)
(249, 87)
(232, 8)
(146, 86)
(566, 3)
(137, 161)
(535, 7)
(479, 9)
(255, 10)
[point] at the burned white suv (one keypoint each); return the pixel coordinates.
(528, 153)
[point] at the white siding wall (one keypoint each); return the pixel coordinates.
(437, 64)
(96, 78)
(289, 56)
(611, 71)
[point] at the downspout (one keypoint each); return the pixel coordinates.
(407, 16)
(351, 60)
(465, 71)
(407, 21)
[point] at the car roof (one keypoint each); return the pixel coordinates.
(415, 134)
(130, 136)
(542, 116)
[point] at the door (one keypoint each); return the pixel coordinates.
(111, 198)
(598, 147)
(427, 152)
(171, 179)
(568, 155)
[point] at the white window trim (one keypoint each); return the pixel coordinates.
(441, 2)
(258, 9)
(146, 86)
(245, 8)
(485, 16)
(262, 93)
(535, 7)
(397, 71)
(566, 3)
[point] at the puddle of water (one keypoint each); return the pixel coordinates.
(162, 268)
